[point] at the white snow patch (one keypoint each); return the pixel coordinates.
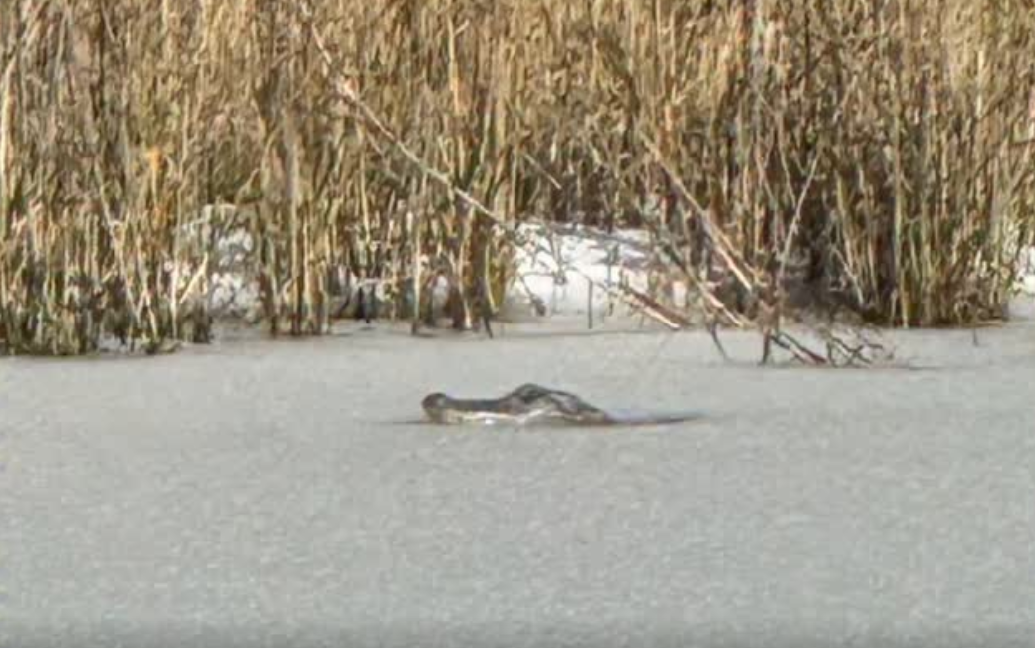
(221, 246)
(557, 270)
(1026, 272)
(555, 273)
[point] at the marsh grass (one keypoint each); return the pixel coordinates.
(876, 157)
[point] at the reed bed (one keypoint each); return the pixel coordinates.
(875, 157)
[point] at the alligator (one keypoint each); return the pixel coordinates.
(532, 404)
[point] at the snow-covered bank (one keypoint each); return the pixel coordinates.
(555, 272)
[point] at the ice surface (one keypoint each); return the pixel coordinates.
(271, 493)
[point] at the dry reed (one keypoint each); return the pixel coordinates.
(874, 157)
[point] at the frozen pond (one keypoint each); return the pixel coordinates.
(257, 493)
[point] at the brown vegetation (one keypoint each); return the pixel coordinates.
(880, 155)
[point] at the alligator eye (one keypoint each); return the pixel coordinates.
(435, 401)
